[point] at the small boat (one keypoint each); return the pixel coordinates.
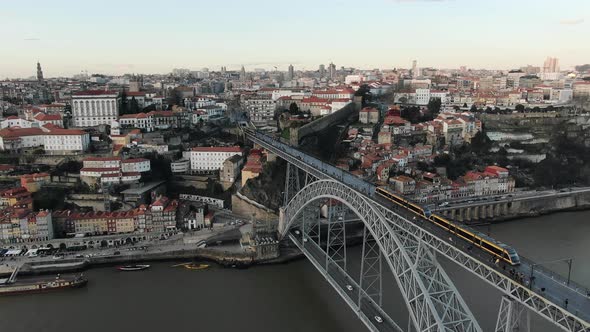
(133, 267)
(193, 266)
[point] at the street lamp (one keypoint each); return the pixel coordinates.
(568, 261)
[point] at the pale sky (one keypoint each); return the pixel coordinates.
(147, 36)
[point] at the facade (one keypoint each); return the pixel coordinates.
(113, 170)
(261, 109)
(19, 225)
(230, 171)
(180, 166)
(158, 217)
(369, 115)
(95, 107)
(207, 159)
(52, 139)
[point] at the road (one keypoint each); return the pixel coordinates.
(369, 311)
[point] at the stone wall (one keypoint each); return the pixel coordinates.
(297, 134)
(245, 207)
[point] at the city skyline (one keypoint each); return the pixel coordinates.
(446, 34)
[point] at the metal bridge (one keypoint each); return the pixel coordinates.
(407, 246)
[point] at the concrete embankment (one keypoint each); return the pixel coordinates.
(221, 257)
(520, 207)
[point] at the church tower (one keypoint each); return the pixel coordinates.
(39, 73)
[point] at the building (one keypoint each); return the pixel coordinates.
(113, 170)
(19, 225)
(253, 166)
(18, 197)
(95, 107)
(34, 182)
(180, 166)
(158, 217)
(207, 159)
(230, 171)
(51, 138)
(369, 115)
(581, 89)
(261, 109)
(551, 65)
(404, 185)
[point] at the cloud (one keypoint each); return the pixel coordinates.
(32, 39)
(572, 21)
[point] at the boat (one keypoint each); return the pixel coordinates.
(41, 284)
(128, 268)
(193, 266)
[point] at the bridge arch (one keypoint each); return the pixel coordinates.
(422, 306)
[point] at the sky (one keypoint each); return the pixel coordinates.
(148, 36)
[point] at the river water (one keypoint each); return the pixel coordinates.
(288, 298)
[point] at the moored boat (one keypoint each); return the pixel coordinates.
(38, 285)
(137, 267)
(193, 266)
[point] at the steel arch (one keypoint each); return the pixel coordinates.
(432, 300)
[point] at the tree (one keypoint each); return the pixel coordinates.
(519, 108)
(434, 105)
(174, 97)
(294, 109)
(364, 91)
(124, 107)
(133, 106)
(473, 108)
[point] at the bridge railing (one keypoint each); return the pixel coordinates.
(539, 269)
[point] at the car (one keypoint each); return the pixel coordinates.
(304, 240)
(444, 204)
(297, 232)
(378, 319)
(469, 202)
(349, 287)
(117, 253)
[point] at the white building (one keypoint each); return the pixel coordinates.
(180, 166)
(66, 140)
(51, 139)
(138, 165)
(95, 107)
(140, 120)
(204, 159)
(14, 121)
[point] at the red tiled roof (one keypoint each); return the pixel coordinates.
(95, 92)
(101, 159)
(98, 169)
(66, 132)
(135, 160)
(18, 132)
(47, 117)
(217, 149)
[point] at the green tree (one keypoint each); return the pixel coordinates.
(294, 109)
(434, 105)
(124, 106)
(133, 106)
(519, 108)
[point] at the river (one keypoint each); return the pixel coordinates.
(288, 298)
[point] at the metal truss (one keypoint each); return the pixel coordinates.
(371, 281)
(336, 241)
(433, 301)
(550, 311)
(509, 317)
(292, 185)
(407, 230)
